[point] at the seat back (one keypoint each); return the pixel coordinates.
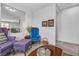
(35, 35)
(35, 32)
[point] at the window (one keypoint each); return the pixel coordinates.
(14, 26)
(5, 25)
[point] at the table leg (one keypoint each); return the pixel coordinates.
(30, 45)
(25, 53)
(13, 51)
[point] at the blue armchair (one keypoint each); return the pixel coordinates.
(35, 35)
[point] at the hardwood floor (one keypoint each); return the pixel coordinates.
(69, 48)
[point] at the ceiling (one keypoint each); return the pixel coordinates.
(36, 6)
(28, 6)
(20, 8)
(7, 14)
(63, 6)
(32, 7)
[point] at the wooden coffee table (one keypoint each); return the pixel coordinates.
(55, 51)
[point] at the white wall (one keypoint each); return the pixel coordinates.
(68, 25)
(0, 10)
(49, 12)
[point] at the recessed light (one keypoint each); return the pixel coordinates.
(13, 10)
(10, 9)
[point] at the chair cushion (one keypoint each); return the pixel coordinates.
(22, 45)
(5, 46)
(3, 38)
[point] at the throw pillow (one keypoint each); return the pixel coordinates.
(3, 38)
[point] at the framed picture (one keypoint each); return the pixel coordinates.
(44, 23)
(51, 23)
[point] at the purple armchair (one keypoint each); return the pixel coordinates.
(22, 45)
(6, 47)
